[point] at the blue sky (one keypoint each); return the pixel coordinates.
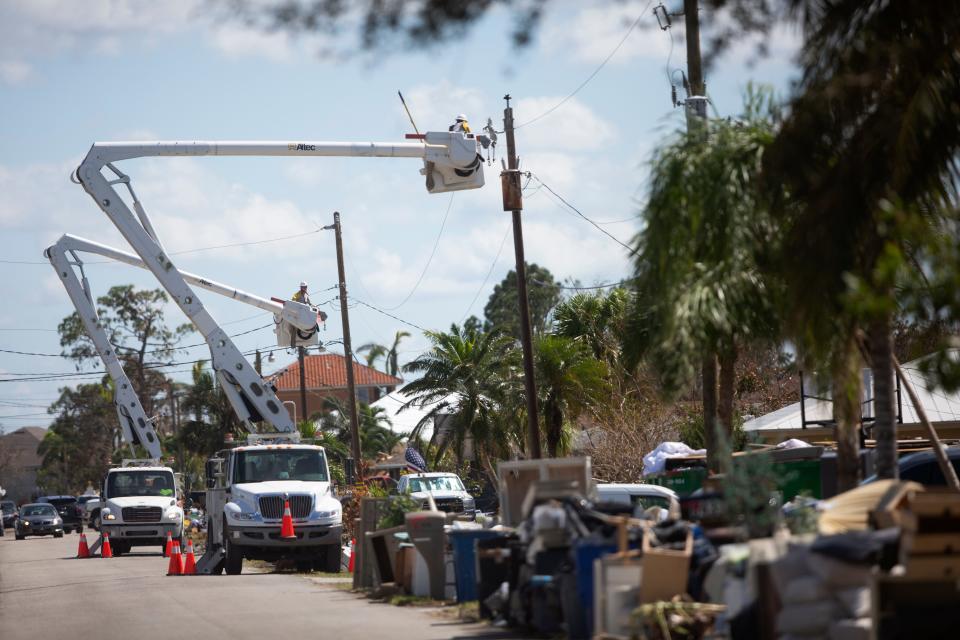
(72, 73)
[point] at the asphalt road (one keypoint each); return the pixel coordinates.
(46, 593)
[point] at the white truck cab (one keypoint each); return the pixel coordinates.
(447, 490)
(258, 479)
(140, 505)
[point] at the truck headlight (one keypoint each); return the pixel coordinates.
(57, 521)
(173, 514)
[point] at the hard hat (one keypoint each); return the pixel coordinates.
(461, 117)
(302, 283)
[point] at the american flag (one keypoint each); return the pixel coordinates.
(414, 459)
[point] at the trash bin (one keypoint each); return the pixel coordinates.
(464, 543)
(427, 535)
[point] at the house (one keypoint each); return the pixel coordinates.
(326, 377)
(19, 463)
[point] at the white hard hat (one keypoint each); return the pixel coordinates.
(461, 117)
(302, 283)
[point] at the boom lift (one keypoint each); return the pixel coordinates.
(451, 161)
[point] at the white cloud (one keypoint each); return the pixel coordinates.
(435, 106)
(594, 32)
(14, 71)
(238, 41)
(573, 126)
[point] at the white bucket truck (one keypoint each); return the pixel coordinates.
(140, 505)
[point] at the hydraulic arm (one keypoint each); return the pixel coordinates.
(451, 162)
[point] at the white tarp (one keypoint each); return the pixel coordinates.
(655, 461)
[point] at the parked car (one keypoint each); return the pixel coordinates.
(8, 508)
(70, 513)
(923, 467)
(39, 519)
(447, 490)
(640, 496)
(83, 503)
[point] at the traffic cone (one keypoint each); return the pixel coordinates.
(190, 563)
(83, 551)
(175, 568)
(169, 548)
(353, 554)
(105, 550)
(286, 526)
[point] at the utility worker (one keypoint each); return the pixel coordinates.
(461, 124)
(301, 295)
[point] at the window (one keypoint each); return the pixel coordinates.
(121, 484)
(436, 483)
(307, 465)
(38, 510)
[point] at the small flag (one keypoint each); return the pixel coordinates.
(414, 459)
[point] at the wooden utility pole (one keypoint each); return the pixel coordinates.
(513, 201)
(301, 357)
(698, 106)
(347, 349)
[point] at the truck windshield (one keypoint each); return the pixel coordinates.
(436, 483)
(307, 465)
(121, 484)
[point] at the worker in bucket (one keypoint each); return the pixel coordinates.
(461, 124)
(302, 296)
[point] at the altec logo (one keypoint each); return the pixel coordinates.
(301, 147)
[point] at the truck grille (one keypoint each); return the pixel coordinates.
(141, 514)
(271, 507)
(450, 505)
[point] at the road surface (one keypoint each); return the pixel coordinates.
(46, 593)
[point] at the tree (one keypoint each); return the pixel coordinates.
(391, 356)
(569, 381)
(134, 322)
(77, 448)
(700, 288)
(467, 375)
(869, 155)
(376, 435)
(502, 310)
(211, 417)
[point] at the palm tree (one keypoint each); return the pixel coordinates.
(569, 381)
(376, 434)
(869, 155)
(699, 284)
(467, 374)
(376, 351)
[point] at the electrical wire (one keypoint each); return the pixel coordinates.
(186, 251)
(592, 75)
(433, 251)
(389, 315)
(581, 214)
(594, 287)
(487, 277)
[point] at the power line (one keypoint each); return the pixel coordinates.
(186, 251)
(598, 286)
(581, 214)
(389, 315)
(487, 277)
(430, 259)
(592, 75)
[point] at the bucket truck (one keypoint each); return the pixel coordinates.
(245, 484)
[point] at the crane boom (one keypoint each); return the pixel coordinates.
(451, 162)
(135, 425)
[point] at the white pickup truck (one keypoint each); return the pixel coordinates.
(257, 479)
(447, 490)
(140, 505)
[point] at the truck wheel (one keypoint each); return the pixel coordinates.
(18, 536)
(58, 534)
(331, 558)
(233, 558)
(304, 566)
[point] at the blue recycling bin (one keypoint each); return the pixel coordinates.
(464, 543)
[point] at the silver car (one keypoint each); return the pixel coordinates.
(39, 519)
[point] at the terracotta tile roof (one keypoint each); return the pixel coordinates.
(329, 371)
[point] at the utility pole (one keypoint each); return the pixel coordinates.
(301, 357)
(696, 104)
(513, 201)
(347, 351)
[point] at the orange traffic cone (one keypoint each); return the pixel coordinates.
(169, 548)
(83, 551)
(286, 526)
(190, 563)
(105, 550)
(353, 554)
(175, 568)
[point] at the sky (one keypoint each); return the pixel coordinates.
(73, 73)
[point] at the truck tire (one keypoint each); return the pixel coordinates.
(304, 566)
(233, 556)
(331, 558)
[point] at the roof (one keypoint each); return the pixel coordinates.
(329, 371)
(938, 405)
(35, 432)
